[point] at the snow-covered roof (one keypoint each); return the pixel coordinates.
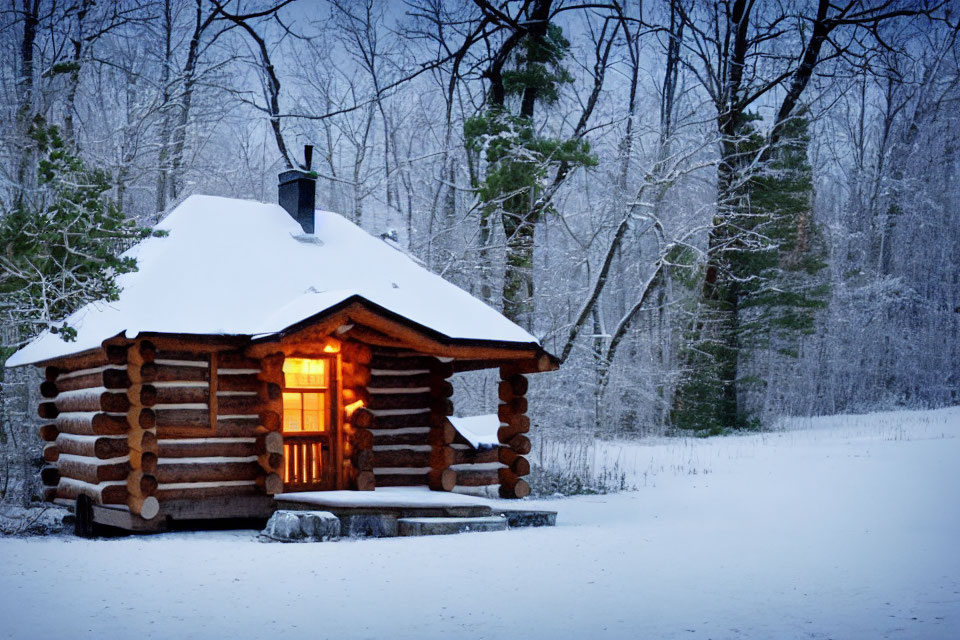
(237, 267)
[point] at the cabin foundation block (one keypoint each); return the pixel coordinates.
(448, 526)
(302, 526)
(368, 525)
(529, 518)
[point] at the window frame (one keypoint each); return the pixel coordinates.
(327, 413)
(331, 435)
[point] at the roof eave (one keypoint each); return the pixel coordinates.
(441, 345)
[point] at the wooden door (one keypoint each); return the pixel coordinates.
(310, 426)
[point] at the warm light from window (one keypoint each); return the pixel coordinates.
(301, 373)
(303, 411)
(292, 411)
(353, 406)
(306, 395)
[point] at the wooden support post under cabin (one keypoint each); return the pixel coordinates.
(513, 424)
(142, 435)
(441, 477)
(270, 403)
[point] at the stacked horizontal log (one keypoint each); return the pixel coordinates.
(269, 390)
(406, 390)
(142, 436)
(514, 424)
(358, 457)
(477, 467)
(139, 424)
(503, 464)
(85, 404)
(441, 435)
(182, 380)
(217, 423)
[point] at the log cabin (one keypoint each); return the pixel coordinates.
(264, 349)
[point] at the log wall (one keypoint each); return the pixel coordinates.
(86, 405)
(141, 424)
(475, 467)
(142, 433)
(408, 399)
(217, 423)
(504, 464)
(405, 412)
(358, 440)
(514, 424)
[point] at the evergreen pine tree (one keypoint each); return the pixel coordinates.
(60, 246)
(773, 277)
(518, 157)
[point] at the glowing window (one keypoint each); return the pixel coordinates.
(306, 398)
(301, 373)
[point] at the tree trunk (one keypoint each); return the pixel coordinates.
(518, 284)
(163, 154)
(520, 225)
(25, 168)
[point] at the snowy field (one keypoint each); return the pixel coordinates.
(829, 528)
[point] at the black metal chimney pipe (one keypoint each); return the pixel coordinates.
(298, 192)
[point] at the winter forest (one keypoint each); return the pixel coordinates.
(714, 213)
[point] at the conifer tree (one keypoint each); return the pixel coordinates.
(517, 156)
(771, 282)
(60, 245)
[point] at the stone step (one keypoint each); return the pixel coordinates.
(446, 526)
(301, 526)
(529, 517)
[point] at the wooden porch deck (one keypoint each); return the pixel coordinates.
(402, 502)
(359, 507)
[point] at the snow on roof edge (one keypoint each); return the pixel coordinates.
(305, 322)
(384, 311)
(163, 296)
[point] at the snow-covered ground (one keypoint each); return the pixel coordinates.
(840, 528)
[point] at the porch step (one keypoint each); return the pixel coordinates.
(301, 526)
(446, 526)
(529, 517)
